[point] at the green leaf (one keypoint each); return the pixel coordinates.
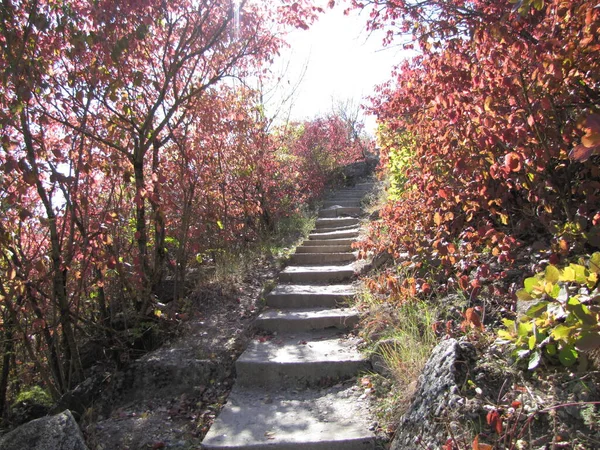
(551, 349)
(538, 4)
(508, 323)
(581, 312)
(220, 224)
(537, 309)
(524, 329)
(561, 333)
(580, 273)
(594, 263)
(568, 356)
(568, 274)
(554, 292)
(552, 274)
(532, 342)
(534, 360)
(504, 334)
(530, 283)
(523, 295)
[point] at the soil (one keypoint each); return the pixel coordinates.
(169, 398)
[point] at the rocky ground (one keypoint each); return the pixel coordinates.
(169, 397)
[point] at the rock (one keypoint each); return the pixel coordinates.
(424, 425)
(59, 432)
(84, 394)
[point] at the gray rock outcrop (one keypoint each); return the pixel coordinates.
(424, 426)
(59, 432)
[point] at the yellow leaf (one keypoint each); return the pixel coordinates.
(488, 104)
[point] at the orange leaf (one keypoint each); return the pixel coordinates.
(480, 446)
(495, 421)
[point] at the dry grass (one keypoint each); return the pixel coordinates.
(400, 338)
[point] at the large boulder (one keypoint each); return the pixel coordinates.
(425, 424)
(59, 432)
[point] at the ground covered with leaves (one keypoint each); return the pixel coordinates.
(516, 389)
(169, 398)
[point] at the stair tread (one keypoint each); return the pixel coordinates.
(324, 346)
(308, 289)
(319, 269)
(306, 313)
(331, 418)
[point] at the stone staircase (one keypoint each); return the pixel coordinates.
(293, 388)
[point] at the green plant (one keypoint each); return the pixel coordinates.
(34, 395)
(563, 317)
(402, 338)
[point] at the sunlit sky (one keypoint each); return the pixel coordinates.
(342, 61)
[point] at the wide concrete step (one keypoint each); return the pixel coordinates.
(342, 234)
(336, 222)
(332, 229)
(322, 258)
(300, 359)
(341, 194)
(341, 211)
(327, 242)
(348, 193)
(346, 203)
(324, 248)
(286, 320)
(317, 274)
(307, 296)
(352, 190)
(315, 419)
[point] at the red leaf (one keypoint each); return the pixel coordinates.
(582, 153)
(512, 161)
(495, 421)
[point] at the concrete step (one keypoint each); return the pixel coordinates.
(352, 190)
(327, 242)
(322, 258)
(336, 222)
(343, 203)
(307, 296)
(299, 359)
(315, 419)
(317, 274)
(359, 193)
(332, 229)
(293, 321)
(342, 211)
(343, 234)
(324, 248)
(346, 195)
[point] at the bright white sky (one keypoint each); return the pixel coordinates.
(342, 63)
